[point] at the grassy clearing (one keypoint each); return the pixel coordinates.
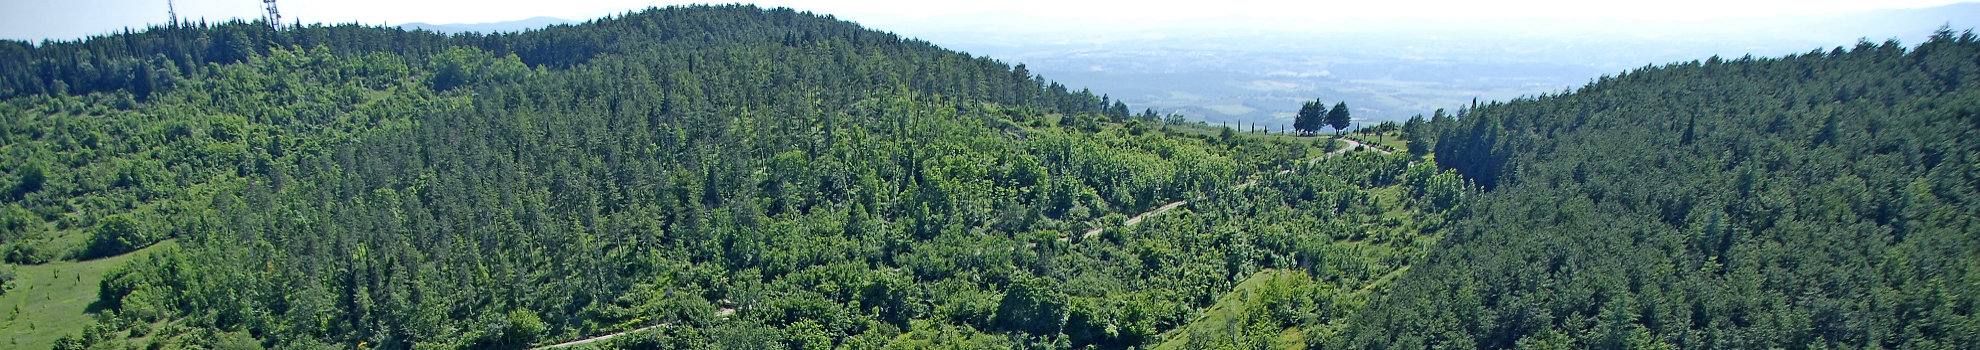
(1213, 131)
(1380, 246)
(1230, 309)
(48, 301)
(1391, 139)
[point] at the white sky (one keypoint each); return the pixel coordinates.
(71, 19)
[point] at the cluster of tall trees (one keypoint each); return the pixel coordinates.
(1816, 201)
(119, 163)
(1315, 114)
(144, 61)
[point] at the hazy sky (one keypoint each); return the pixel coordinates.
(72, 19)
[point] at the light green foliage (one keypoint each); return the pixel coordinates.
(47, 301)
(1031, 305)
(467, 66)
(1267, 310)
(235, 341)
(116, 235)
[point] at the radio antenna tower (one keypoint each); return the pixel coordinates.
(274, 18)
(170, 11)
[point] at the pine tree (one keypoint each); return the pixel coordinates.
(1338, 117)
(1416, 131)
(1308, 120)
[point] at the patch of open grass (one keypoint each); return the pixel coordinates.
(1227, 311)
(1295, 138)
(48, 301)
(1391, 139)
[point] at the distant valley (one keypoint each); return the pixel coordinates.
(1249, 70)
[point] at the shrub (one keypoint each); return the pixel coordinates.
(115, 235)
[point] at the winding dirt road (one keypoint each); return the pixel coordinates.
(1352, 144)
(718, 313)
(1134, 220)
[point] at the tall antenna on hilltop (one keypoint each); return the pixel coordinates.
(170, 11)
(274, 18)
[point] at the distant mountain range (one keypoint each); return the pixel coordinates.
(507, 26)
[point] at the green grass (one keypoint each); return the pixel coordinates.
(1389, 242)
(48, 301)
(1213, 130)
(1226, 311)
(1391, 139)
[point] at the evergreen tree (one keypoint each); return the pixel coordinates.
(1415, 130)
(1311, 117)
(1780, 209)
(1338, 117)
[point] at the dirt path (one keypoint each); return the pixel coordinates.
(1136, 219)
(724, 312)
(1352, 144)
(597, 338)
(1381, 281)
(1310, 161)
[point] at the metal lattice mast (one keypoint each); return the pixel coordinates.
(274, 18)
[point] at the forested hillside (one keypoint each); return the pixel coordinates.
(734, 177)
(713, 176)
(1815, 201)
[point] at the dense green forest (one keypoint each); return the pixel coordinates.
(1826, 200)
(711, 176)
(734, 177)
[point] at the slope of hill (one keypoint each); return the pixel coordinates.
(1822, 200)
(737, 177)
(720, 176)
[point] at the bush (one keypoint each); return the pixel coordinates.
(1115, 220)
(140, 329)
(466, 66)
(1032, 306)
(32, 178)
(525, 327)
(15, 222)
(26, 254)
(68, 342)
(6, 279)
(115, 235)
(236, 341)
